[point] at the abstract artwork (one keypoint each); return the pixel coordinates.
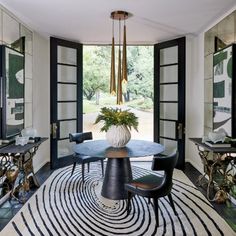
(13, 92)
(222, 90)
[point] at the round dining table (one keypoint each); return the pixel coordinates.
(118, 168)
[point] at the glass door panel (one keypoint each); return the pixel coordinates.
(168, 129)
(67, 92)
(67, 55)
(66, 73)
(170, 145)
(66, 98)
(169, 111)
(67, 110)
(64, 148)
(169, 55)
(67, 127)
(169, 74)
(169, 92)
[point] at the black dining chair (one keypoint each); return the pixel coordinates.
(153, 186)
(83, 159)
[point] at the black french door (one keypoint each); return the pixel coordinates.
(169, 96)
(66, 98)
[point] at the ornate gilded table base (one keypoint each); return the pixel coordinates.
(18, 174)
(219, 169)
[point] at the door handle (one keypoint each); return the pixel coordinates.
(54, 130)
(180, 130)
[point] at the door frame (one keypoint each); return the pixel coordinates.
(181, 43)
(54, 42)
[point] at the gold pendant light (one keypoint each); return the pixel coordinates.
(113, 74)
(124, 60)
(119, 81)
(122, 66)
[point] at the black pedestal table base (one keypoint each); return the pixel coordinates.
(118, 172)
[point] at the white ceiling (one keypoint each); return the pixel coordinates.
(88, 21)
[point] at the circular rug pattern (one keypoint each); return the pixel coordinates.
(66, 206)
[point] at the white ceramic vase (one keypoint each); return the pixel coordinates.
(118, 136)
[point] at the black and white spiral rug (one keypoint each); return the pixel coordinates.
(65, 206)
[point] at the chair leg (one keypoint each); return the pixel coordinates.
(73, 169)
(128, 206)
(82, 172)
(172, 203)
(102, 165)
(155, 206)
(88, 166)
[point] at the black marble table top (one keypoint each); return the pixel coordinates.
(14, 149)
(134, 148)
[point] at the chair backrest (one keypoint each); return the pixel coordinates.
(80, 137)
(167, 164)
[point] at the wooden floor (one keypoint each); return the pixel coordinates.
(227, 211)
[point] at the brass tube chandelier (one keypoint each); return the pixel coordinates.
(122, 65)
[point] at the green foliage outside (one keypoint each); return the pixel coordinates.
(115, 116)
(96, 70)
(138, 92)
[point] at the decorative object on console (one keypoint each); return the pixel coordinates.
(29, 132)
(117, 124)
(22, 140)
(218, 136)
(216, 139)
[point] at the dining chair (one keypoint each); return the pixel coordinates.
(83, 159)
(153, 186)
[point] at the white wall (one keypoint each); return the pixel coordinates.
(41, 97)
(194, 96)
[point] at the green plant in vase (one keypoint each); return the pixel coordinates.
(117, 124)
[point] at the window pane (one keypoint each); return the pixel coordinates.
(28, 39)
(169, 74)
(66, 92)
(64, 148)
(28, 66)
(28, 90)
(169, 111)
(11, 29)
(66, 55)
(67, 110)
(169, 55)
(170, 146)
(167, 129)
(66, 74)
(67, 127)
(169, 92)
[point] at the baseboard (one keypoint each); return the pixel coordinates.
(196, 166)
(36, 169)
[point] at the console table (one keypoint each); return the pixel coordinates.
(219, 168)
(16, 169)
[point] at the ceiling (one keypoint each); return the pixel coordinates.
(88, 21)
